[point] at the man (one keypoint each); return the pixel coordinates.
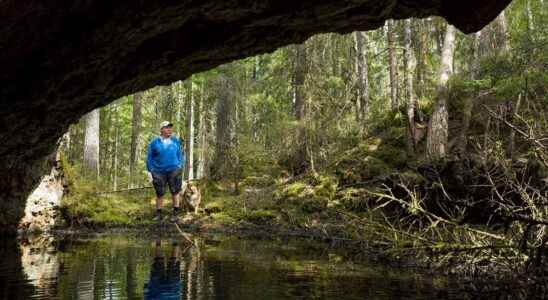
(165, 160)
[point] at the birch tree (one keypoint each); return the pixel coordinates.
(392, 64)
(190, 132)
(436, 144)
(91, 144)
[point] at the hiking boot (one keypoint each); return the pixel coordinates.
(157, 218)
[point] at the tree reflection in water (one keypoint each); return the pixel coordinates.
(125, 266)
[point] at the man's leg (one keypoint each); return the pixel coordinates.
(159, 183)
(175, 181)
(159, 202)
(175, 200)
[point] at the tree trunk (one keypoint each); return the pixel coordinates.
(501, 19)
(113, 171)
(436, 145)
(410, 96)
(530, 21)
(91, 144)
(190, 133)
(299, 74)
(115, 150)
(223, 128)
(469, 101)
(201, 136)
(135, 132)
(421, 50)
(167, 103)
(393, 67)
(362, 102)
(298, 80)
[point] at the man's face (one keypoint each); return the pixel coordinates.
(166, 131)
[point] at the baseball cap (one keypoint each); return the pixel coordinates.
(166, 124)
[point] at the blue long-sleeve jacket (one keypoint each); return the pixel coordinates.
(165, 155)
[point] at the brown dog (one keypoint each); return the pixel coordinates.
(191, 197)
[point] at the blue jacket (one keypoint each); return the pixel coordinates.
(165, 156)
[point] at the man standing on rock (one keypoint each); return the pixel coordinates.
(165, 161)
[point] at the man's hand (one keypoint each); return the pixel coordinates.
(149, 175)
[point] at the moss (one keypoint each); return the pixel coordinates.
(312, 205)
(214, 206)
(393, 156)
(223, 218)
(324, 186)
(295, 191)
(259, 181)
(259, 216)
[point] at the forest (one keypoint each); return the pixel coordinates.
(412, 140)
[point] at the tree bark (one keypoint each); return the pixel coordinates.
(115, 150)
(201, 136)
(393, 67)
(91, 144)
(223, 128)
(469, 100)
(501, 19)
(360, 40)
(409, 93)
(421, 50)
(190, 132)
(436, 145)
(298, 80)
(135, 132)
(299, 75)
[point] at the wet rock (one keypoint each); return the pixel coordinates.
(42, 206)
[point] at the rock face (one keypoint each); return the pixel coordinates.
(42, 210)
(62, 59)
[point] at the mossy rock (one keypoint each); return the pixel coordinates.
(295, 191)
(324, 186)
(223, 218)
(259, 216)
(259, 181)
(213, 207)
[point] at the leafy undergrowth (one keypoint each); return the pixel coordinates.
(87, 203)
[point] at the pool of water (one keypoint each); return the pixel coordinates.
(129, 266)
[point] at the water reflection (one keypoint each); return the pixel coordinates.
(165, 274)
(173, 267)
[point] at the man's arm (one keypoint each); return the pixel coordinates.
(181, 152)
(149, 157)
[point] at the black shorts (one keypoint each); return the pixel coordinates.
(173, 179)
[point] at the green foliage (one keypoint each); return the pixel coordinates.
(86, 203)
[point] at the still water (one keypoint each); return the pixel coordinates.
(117, 266)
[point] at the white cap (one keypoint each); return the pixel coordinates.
(166, 124)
